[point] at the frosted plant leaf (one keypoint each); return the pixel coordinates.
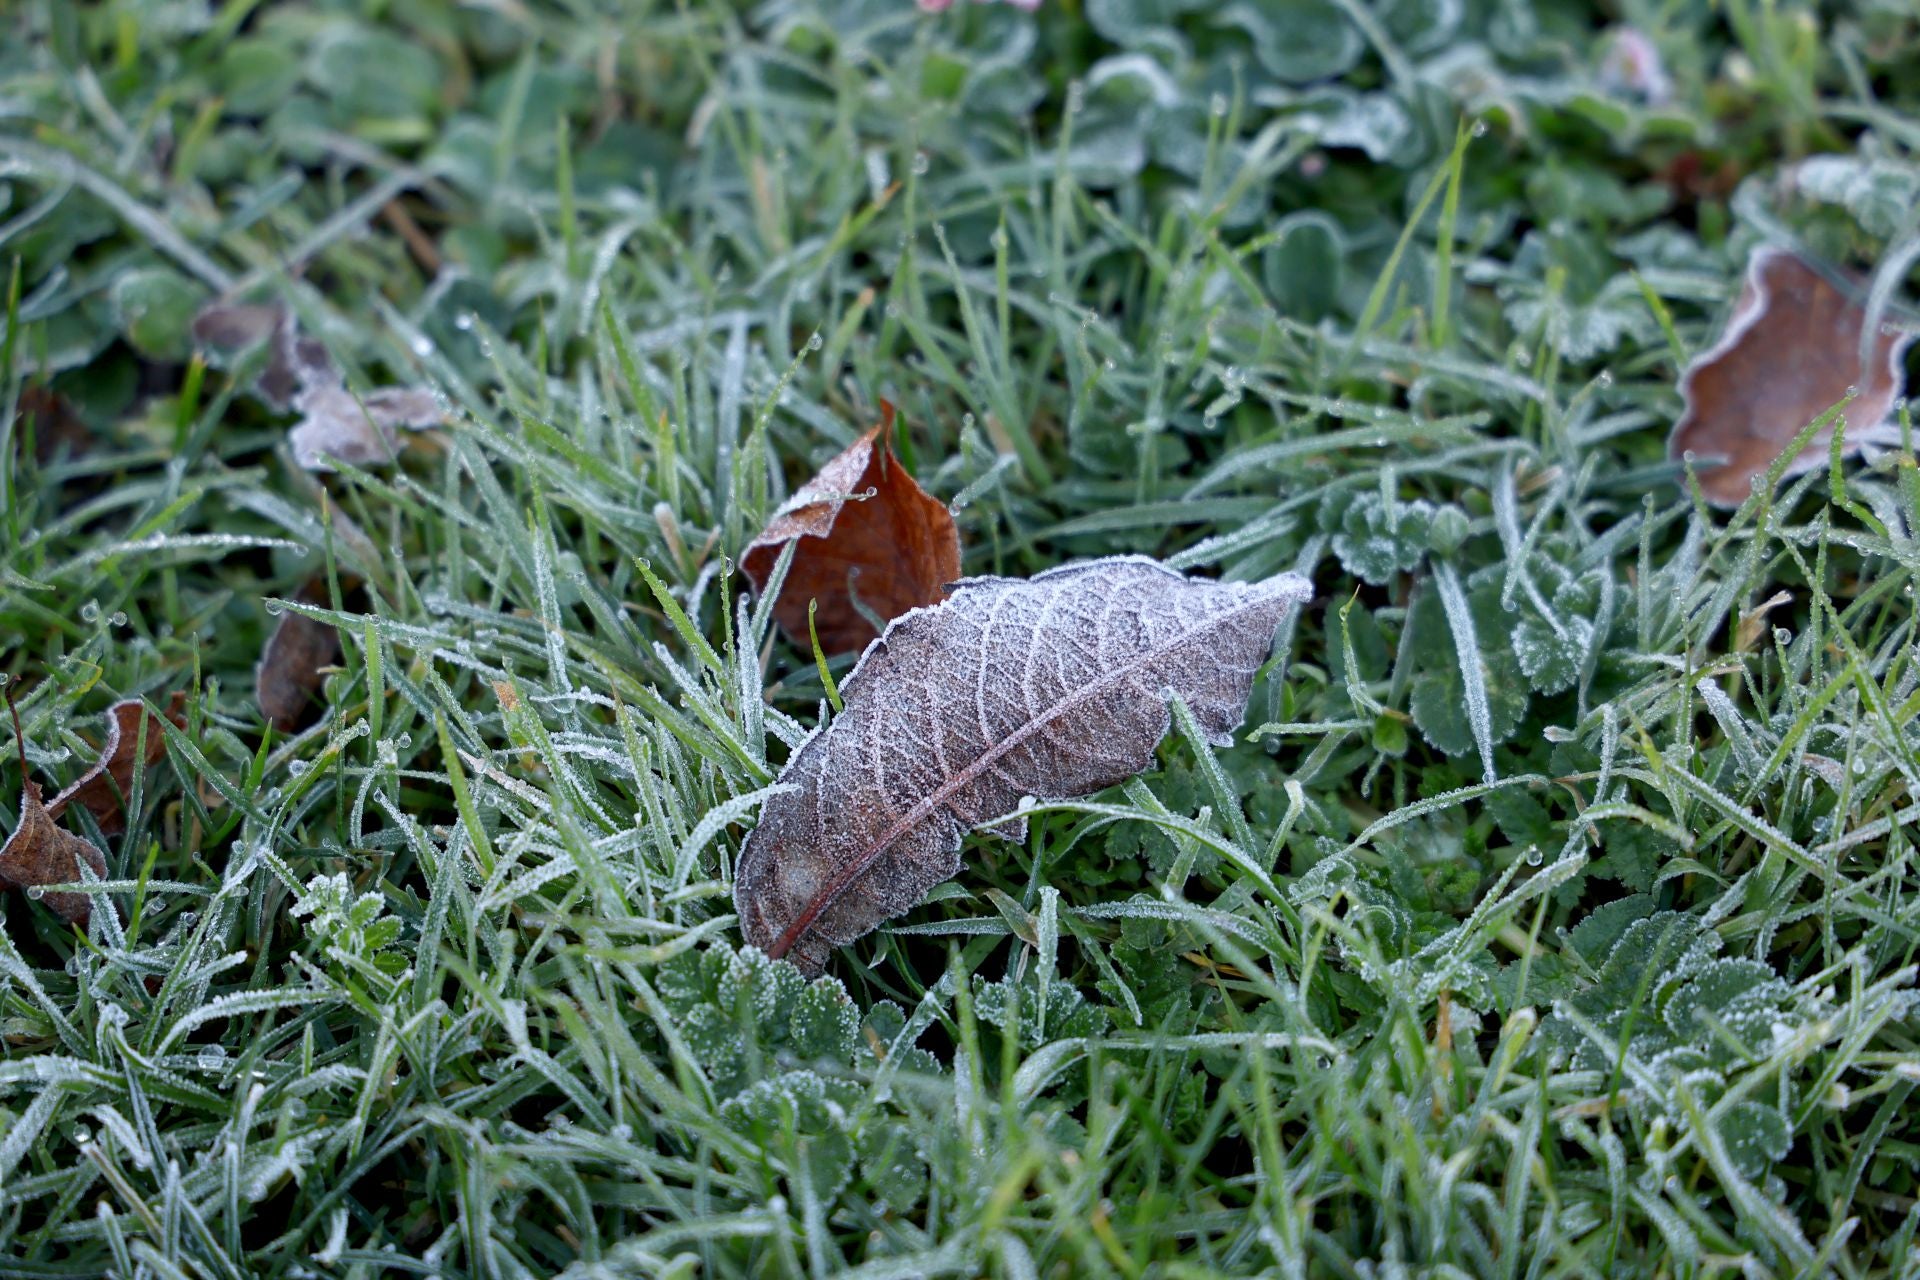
(824, 1023)
(1879, 193)
(752, 984)
(1551, 660)
(1756, 1135)
(814, 1111)
(891, 1162)
(1374, 542)
(1053, 686)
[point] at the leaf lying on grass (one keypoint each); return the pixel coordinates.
(40, 852)
(56, 424)
(102, 789)
(292, 664)
(335, 424)
(894, 549)
(1790, 352)
(1050, 687)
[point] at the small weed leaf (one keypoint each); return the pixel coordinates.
(1439, 701)
(1756, 1135)
(798, 1116)
(824, 1024)
(350, 928)
(1068, 1015)
(892, 1164)
(1376, 540)
(743, 1015)
(1552, 645)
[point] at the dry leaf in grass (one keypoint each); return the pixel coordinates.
(1053, 687)
(40, 852)
(102, 789)
(1791, 351)
(291, 668)
(57, 426)
(335, 424)
(295, 363)
(865, 529)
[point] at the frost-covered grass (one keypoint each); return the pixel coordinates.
(1592, 954)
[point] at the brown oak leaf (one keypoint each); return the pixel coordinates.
(865, 529)
(39, 852)
(1790, 352)
(1053, 687)
(102, 789)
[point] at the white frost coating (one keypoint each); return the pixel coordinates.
(1466, 645)
(1053, 686)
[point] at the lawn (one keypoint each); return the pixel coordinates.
(1553, 912)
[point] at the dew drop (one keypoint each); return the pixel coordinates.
(1534, 856)
(118, 619)
(90, 611)
(1219, 105)
(212, 1057)
(297, 767)
(921, 162)
(1076, 96)
(815, 341)
(464, 322)
(422, 346)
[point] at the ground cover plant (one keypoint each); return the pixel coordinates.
(1553, 913)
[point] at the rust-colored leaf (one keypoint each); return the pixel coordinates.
(292, 666)
(1790, 352)
(1053, 687)
(865, 529)
(102, 789)
(39, 852)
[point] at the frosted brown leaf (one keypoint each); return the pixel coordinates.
(864, 527)
(292, 664)
(102, 789)
(39, 853)
(1053, 687)
(1790, 352)
(336, 425)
